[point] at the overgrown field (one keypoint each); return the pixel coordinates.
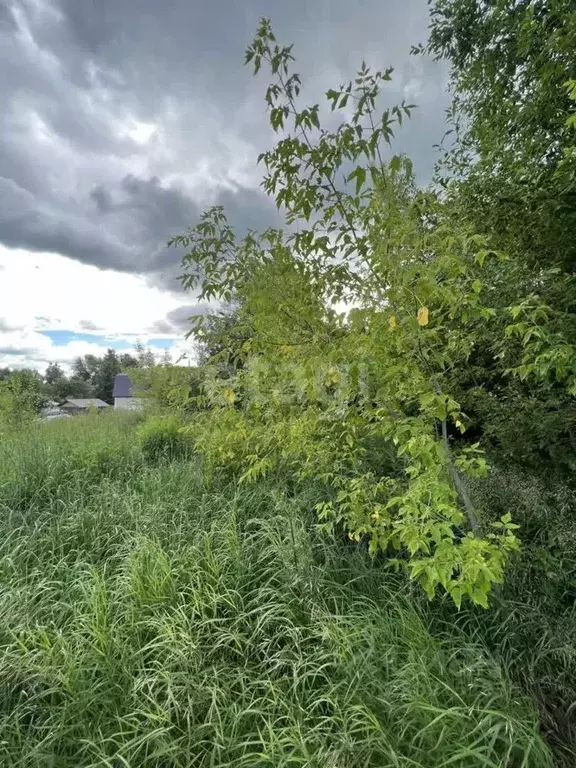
(152, 616)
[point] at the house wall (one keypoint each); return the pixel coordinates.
(128, 403)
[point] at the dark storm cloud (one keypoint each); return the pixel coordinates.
(121, 121)
(246, 209)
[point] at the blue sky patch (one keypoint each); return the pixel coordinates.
(61, 338)
(161, 343)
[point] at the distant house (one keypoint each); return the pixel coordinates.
(123, 394)
(83, 405)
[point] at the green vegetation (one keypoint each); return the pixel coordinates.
(347, 538)
(162, 438)
(153, 617)
(25, 391)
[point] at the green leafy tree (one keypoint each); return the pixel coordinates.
(53, 374)
(58, 385)
(105, 375)
(21, 397)
(315, 387)
(223, 338)
(79, 388)
(144, 355)
(85, 368)
(80, 369)
(510, 63)
(128, 361)
(162, 387)
(511, 172)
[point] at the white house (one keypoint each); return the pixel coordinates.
(122, 394)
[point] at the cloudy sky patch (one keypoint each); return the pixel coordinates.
(121, 121)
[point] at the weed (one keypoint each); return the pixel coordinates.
(152, 617)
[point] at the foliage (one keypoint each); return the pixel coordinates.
(21, 397)
(511, 172)
(149, 617)
(85, 368)
(105, 376)
(144, 358)
(59, 386)
(93, 376)
(532, 626)
(315, 386)
(161, 437)
(509, 68)
(222, 339)
(169, 387)
(53, 374)
(24, 392)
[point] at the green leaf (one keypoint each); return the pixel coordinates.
(359, 173)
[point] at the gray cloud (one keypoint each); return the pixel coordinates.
(88, 325)
(5, 326)
(178, 320)
(180, 317)
(13, 351)
(120, 124)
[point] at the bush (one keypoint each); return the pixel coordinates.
(531, 627)
(161, 437)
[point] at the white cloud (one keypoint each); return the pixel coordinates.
(29, 349)
(141, 133)
(49, 292)
(46, 285)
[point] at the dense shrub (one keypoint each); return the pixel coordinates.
(162, 437)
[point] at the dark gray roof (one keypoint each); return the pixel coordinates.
(84, 402)
(122, 386)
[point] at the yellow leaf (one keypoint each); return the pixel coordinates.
(423, 316)
(229, 395)
(333, 377)
(392, 323)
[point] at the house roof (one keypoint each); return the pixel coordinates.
(122, 386)
(84, 402)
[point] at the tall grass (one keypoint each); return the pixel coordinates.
(149, 617)
(531, 625)
(42, 461)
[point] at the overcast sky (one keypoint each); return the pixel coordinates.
(120, 120)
